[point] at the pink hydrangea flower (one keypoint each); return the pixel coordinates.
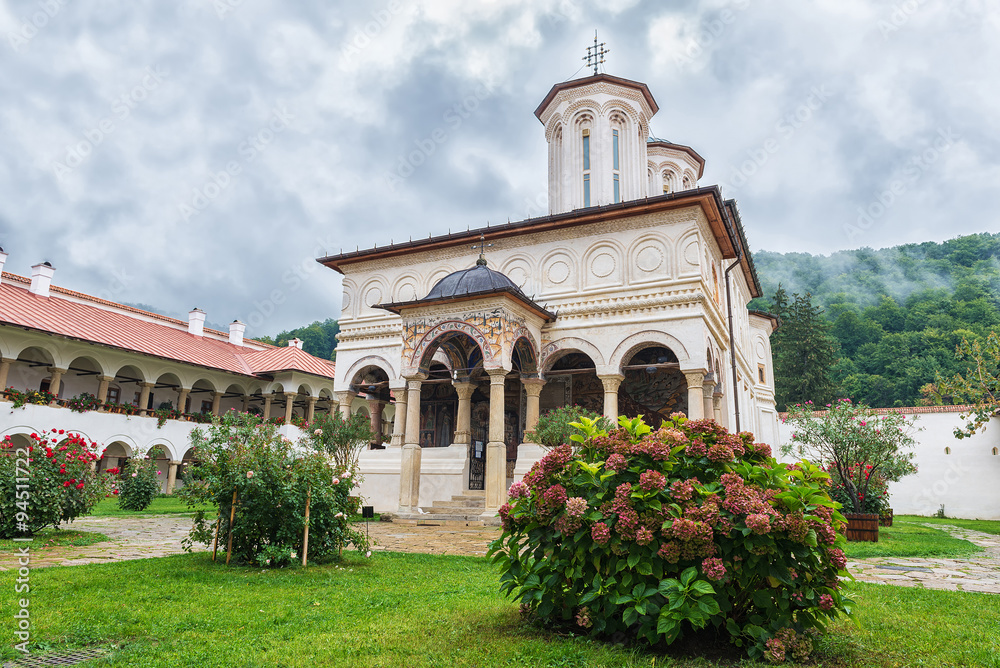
(714, 568)
(600, 533)
(518, 490)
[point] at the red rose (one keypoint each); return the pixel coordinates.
(79, 485)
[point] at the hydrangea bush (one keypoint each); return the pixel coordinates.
(61, 483)
(272, 479)
(657, 534)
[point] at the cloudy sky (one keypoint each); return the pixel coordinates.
(204, 152)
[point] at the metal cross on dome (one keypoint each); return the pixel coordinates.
(595, 54)
(481, 247)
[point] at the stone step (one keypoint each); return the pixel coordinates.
(464, 512)
(441, 522)
(464, 503)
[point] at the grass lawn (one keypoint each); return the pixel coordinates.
(162, 505)
(414, 610)
(57, 538)
(908, 538)
(986, 526)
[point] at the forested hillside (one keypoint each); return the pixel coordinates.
(897, 313)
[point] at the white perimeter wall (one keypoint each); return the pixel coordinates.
(967, 481)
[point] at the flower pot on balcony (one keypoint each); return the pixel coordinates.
(862, 527)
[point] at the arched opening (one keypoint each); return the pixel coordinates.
(163, 395)
(82, 377)
(160, 456)
(571, 379)
(372, 382)
(115, 455)
(125, 389)
(31, 371)
(654, 386)
(200, 399)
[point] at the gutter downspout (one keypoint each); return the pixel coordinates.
(732, 337)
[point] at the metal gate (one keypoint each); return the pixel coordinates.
(480, 428)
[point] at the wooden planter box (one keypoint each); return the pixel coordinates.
(885, 520)
(862, 527)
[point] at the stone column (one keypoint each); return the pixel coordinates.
(532, 388)
(399, 419)
(696, 394)
(246, 402)
(311, 411)
(409, 466)
(375, 412)
(708, 389)
(717, 406)
(463, 421)
(4, 370)
(103, 383)
(496, 450)
(57, 375)
(144, 396)
(217, 402)
(182, 397)
(611, 384)
(267, 405)
(346, 399)
(289, 405)
(172, 476)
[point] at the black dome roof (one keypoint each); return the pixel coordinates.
(478, 279)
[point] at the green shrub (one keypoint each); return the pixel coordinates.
(58, 484)
(272, 480)
(654, 535)
(138, 484)
(555, 425)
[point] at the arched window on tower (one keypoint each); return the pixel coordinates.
(586, 167)
(669, 181)
(687, 183)
(617, 135)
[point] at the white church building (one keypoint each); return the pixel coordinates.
(628, 298)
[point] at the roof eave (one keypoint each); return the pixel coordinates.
(398, 307)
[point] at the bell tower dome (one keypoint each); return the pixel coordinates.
(596, 128)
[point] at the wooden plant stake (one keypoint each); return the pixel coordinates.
(218, 525)
(232, 514)
(305, 534)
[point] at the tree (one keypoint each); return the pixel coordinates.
(804, 352)
(860, 448)
(342, 439)
(979, 386)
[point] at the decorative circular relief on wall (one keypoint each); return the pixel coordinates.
(691, 253)
(760, 350)
(519, 275)
(602, 265)
(558, 271)
(345, 301)
(373, 296)
(407, 292)
(649, 259)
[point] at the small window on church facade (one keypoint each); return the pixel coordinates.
(615, 167)
(586, 167)
(762, 373)
(996, 451)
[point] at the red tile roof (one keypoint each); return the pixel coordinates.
(117, 328)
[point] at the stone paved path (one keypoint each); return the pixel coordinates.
(131, 538)
(468, 541)
(981, 573)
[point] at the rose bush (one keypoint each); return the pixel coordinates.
(272, 479)
(659, 534)
(137, 484)
(61, 483)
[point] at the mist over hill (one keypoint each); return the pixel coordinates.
(897, 313)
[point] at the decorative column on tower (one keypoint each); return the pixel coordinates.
(532, 390)
(696, 394)
(346, 399)
(496, 449)
(409, 466)
(611, 384)
(708, 387)
(399, 418)
(375, 411)
(463, 421)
